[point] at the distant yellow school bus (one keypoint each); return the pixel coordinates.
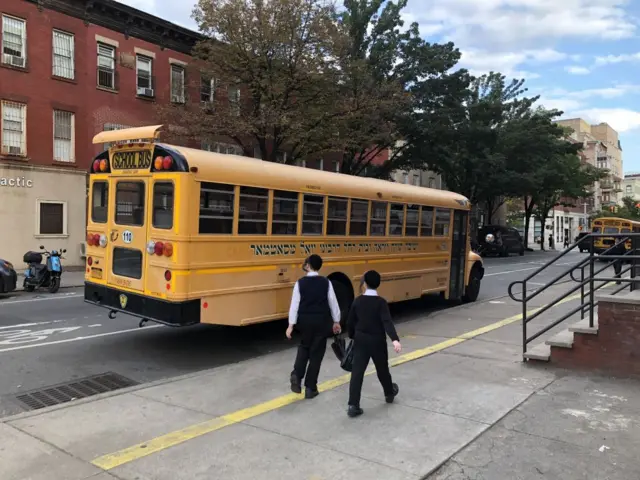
(181, 236)
(612, 225)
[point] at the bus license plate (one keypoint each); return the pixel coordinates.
(96, 273)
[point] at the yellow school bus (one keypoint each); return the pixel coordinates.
(182, 236)
(612, 225)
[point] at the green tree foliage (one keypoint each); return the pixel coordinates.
(630, 209)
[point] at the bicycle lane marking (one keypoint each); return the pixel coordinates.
(136, 452)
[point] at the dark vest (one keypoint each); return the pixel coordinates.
(314, 312)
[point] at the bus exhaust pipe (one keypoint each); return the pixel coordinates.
(112, 314)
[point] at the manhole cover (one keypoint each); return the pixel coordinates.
(75, 390)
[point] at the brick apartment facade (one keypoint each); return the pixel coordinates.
(68, 70)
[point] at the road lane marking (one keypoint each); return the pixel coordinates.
(77, 339)
(136, 452)
(510, 271)
(64, 296)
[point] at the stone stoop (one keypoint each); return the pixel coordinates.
(612, 346)
(562, 340)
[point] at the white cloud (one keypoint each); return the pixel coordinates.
(577, 102)
(624, 58)
(510, 24)
(479, 61)
(620, 119)
(577, 70)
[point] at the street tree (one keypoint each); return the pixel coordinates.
(388, 72)
(272, 74)
(563, 180)
(471, 138)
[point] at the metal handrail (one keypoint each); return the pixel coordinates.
(591, 279)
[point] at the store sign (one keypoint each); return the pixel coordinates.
(16, 182)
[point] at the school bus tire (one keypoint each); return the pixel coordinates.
(344, 294)
(473, 289)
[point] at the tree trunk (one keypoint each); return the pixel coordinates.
(529, 204)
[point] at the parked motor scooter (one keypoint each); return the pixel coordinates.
(39, 275)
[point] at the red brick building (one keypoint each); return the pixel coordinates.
(68, 70)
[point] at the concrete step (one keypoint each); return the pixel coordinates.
(583, 326)
(540, 352)
(564, 339)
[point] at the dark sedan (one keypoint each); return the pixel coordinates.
(8, 277)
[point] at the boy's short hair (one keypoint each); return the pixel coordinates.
(315, 262)
(372, 279)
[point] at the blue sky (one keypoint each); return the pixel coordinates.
(581, 56)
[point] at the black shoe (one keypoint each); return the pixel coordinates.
(295, 384)
(309, 393)
(354, 411)
(396, 390)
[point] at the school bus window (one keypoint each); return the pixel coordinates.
(597, 229)
(413, 215)
(312, 214)
(100, 202)
(426, 230)
(285, 213)
(396, 219)
(337, 216)
(130, 203)
(359, 212)
(216, 208)
(625, 230)
(378, 218)
(127, 262)
(442, 222)
(611, 230)
(163, 205)
(254, 211)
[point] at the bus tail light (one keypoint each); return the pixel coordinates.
(163, 163)
(103, 165)
(90, 239)
(158, 248)
(167, 275)
(166, 163)
(157, 163)
(96, 166)
(168, 249)
(89, 261)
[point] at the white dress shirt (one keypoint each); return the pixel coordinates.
(370, 292)
(295, 302)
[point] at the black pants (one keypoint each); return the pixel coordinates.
(309, 358)
(367, 347)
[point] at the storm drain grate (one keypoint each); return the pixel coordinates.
(75, 390)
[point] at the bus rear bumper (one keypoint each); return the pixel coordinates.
(172, 314)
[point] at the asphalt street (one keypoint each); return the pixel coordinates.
(50, 339)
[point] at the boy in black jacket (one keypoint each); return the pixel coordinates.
(369, 320)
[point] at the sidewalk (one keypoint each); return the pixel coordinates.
(467, 408)
(70, 278)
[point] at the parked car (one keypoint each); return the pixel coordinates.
(500, 240)
(584, 247)
(8, 277)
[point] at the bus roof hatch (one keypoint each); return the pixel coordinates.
(133, 135)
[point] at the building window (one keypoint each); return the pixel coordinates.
(63, 136)
(207, 89)
(14, 136)
(51, 218)
(234, 100)
(144, 80)
(63, 55)
(628, 187)
(106, 66)
(416, 179)
(177, 84)
(14, 41)
(108, 127)
(219, 147)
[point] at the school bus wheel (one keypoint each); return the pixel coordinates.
(344, 295)
(473, 289)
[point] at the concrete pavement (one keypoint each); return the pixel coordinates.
(467, 408)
